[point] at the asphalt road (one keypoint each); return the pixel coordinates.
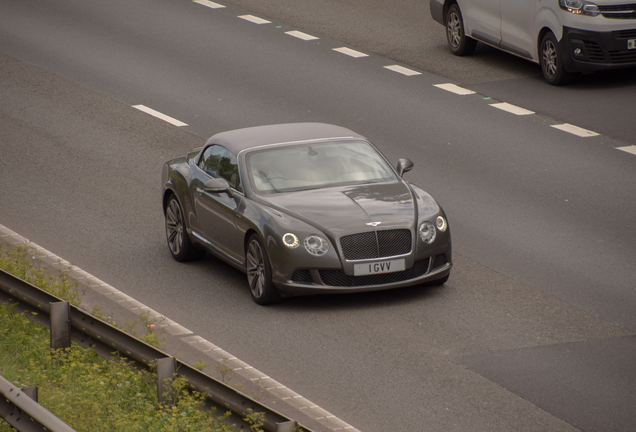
(534, 330)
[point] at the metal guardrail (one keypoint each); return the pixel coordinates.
(16, 403)
(90, 331)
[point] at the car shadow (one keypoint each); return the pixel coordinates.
(363, 300)
(603, 80)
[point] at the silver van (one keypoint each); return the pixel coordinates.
(563, 36)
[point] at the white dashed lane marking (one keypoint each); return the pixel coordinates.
(350, 52)
(628, 149)
(512, 109)
(254, 19)
(209, 4)
(454, 89)
(402, 70)
(159, 115)
(301, 35)
(575, 130)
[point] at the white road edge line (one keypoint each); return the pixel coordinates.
(160, 115)
(454, 89)
(254, 19)
(628, 149)
(350, 52)
(331, 422)
(402, 70)
(575, 130)
(504, 106)
(301, 35)
(209, 4)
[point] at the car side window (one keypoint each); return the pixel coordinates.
(217, 161)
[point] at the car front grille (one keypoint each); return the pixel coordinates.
(625, 11)
(439, 261)
(594, 51)
(625, 34)
(302, 276)
(376, 244)
(618, 57)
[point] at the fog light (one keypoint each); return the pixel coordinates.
(577, 52)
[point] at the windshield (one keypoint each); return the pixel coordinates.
(314, 166)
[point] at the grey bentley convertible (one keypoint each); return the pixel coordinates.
(304, 208)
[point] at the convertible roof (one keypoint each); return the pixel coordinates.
(242, 139)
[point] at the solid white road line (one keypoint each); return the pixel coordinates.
(628, 149)
(402, 70)
(454, 89)
(255, 20)
(209, 4)
(575, 130)
(350, 52)
(159, 115)
(511, 108)
(301, 35)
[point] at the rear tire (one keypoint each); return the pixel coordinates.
(552, 62)
(458, 42)
(259, 273)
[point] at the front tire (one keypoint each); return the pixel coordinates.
(259, 273)
(179, 242)
(552, 61)
(458, 42)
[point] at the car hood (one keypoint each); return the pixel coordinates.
(388, 203)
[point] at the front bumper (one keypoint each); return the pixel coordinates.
(590, 51)
(322, 281)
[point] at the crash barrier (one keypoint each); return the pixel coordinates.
(68, 322)
(20, 409)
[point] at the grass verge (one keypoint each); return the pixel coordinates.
(86, 391)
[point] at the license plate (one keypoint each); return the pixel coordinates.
(379, 267)
(631, 44)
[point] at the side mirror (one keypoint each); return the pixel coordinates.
(218, 185)
(404, 165)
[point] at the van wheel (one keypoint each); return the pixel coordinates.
(458, 42)
(552, 61)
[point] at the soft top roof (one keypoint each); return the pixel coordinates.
(242, 139)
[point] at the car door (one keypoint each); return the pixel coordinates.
(482, 19)
(217, 213)
(517, 27)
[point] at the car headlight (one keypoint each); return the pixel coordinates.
(579, 7)
(290, 240)
(441, 223)
(316, 245)
(427, 232)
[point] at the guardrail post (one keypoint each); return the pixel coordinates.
(31, 392)
(166, 368)
(288, 426)
(60, 325)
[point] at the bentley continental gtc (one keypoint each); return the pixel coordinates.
(304, 208)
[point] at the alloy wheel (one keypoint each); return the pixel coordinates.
(174, 227)
(453, 27)
(255, 269)
(549, 58)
